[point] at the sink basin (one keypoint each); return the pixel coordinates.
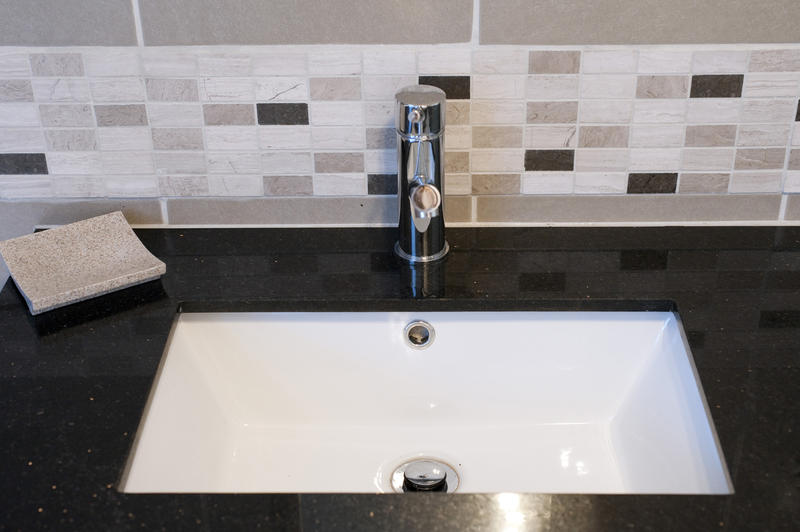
(548, 402)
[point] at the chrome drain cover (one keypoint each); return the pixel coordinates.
(425, 474)
(419, 334)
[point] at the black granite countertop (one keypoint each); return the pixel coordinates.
(75, 380)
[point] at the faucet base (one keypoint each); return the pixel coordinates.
(424, 258)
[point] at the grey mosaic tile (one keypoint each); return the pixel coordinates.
(177, 138)
(22, 163)
(763, 134)
(552, 112)
(228, 114)
(335, 88)
(794, 159)
(722, 135)
(183, 186)
(603, 136)
(287, 185)
(554, 62)
(381, 184)
(775, 61)
(172, 90)
(282, 114)
(332, 163)
(652, 183)
(759, 158)
(496, 183)
(56, 65)
(121, 115)
(717, 86)
(454, 87)
(70, 139)
(379, 138)
(66, 115)
(755, 182)
(16, 90)
(496, 137)
(457, 113)
(662, 86)
(549, 160)
(700, 183)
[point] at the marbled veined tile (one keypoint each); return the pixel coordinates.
(768, 85)
(70, 139)
(755, 182)
(180, 138)
(235, 185)
(22, 140)
(763, 134)
(128, 162)
(64, 115)
(61, 90)
(281, 88)
(713, 111)
(608, 86)
(456, 138)
(551, 136)
(496, 160)
(340, 88)
(775, 61)
(334, 63)
(768, 110)
(456, 162)
(127, 186)
(552, 112)
(279, 64)
(120, 115)
(14, 64)
(15, 90)
(606, 111)
(657, 136)
(117, 89)
(223, 64)
(124, 138)
(664, 62)
(712, 135)
(389, 62)
(654, 159)
(283, 137)
(496, 184)
(56, 64)
(707, 159)
(12, 187)
(605, 160)
(488, 112)
(552, 87)
(340, 184)
(280, 162)
(163, 61)
(79, 187)
(548, 182)
(183, 186)
(335, 114)
(331, 163)
(457, 113)
(180, 162)
(662, 86)
(759, 158)
(498, 87)
(227, 90)
(554, 62)
(385, 87)
(497, 137)
(235, 138)
(172, 90)
(600, 183)
(703, 183)
(175, 114)
(603, 137)
(444, 61)
(500, 62)
(227, 162)
(288, 185)
(659, 111)
(609, 61)
(719, 61)
(72, 163)
(106, 61)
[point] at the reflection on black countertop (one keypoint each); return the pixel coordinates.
(74, 382)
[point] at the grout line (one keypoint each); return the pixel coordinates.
(782, 210)
(137, 19)
(476, 24)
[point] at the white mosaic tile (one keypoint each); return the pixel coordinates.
(610, 61)
(279, 89)
(664, 62)
(500, 62)
(552, 87)
(547, 182)
(495, 160)
(117, 89)
(444, 62)
(284, 137)
(124, 138)
(608, 86)
(107, 62)
(125, 162)
(340, 184)
(389, 62)
(601, 183)
(236, 138)
(719, 61)
(654, 159)
(233, 162)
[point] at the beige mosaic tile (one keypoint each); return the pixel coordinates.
(495, 183)
(703, 183)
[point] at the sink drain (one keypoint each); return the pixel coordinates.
(425, 474)
(419, 334)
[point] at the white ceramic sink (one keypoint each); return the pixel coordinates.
(567, 402)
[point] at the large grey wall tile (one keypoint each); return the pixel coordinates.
(305, 21)
(666, 208)
(66, 23)
(574, 22)
(284, 211)
(121, 115)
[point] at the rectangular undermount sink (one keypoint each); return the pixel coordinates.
(549, 402)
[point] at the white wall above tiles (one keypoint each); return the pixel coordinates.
(172, 122)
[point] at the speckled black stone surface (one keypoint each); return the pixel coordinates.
(73, 382)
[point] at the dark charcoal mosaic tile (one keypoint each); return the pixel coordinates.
(717, 86)
(381, 184)
(454, 87)
(643, 259)
(282, 114)
(652, 183)
(549, 160)
(23, 163)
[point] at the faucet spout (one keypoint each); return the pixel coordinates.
(420, 153)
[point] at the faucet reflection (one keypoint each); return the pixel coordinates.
(419, 120)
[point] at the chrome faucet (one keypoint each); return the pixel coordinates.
(419, 120)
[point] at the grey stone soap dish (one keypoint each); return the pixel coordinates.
(78, 261)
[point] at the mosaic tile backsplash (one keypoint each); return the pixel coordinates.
(316, 121)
